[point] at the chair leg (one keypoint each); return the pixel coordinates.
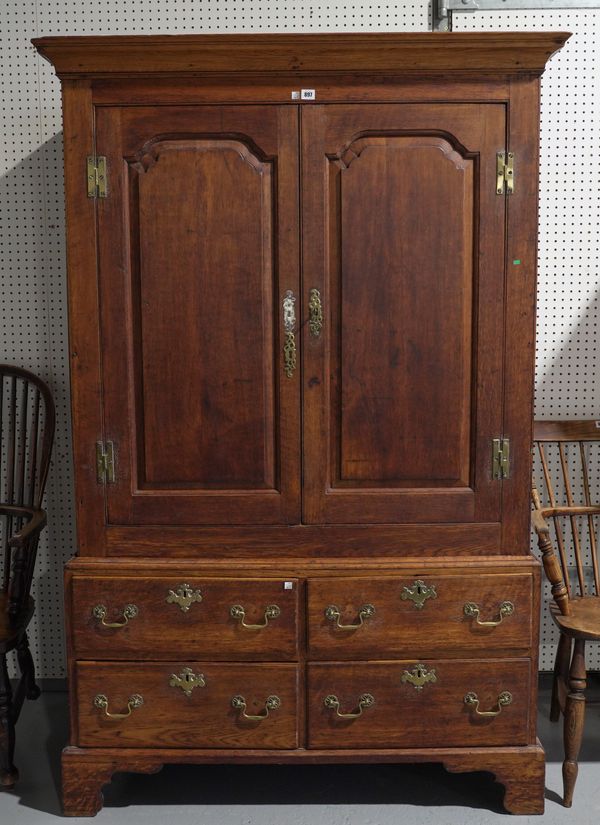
(574, 717)
(8, 772)
(27, 668)
(561, 673)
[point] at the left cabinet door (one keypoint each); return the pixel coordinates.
(198, 251)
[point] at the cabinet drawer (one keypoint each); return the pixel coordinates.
(165, 705)
(160, 617)
(355, 618)
(418, 703)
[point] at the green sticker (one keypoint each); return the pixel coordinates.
(516, 261)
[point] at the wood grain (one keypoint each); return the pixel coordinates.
(398, 626)
(404, 716)
(170, 719)
(206, 628)
(516, 53)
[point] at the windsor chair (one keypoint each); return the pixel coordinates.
(26, 435)
(562, 447)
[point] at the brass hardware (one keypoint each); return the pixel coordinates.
(472, 610)
(419, 593)
(105, 462)
(130, 612)
(238, 612)
(419, 676)
(289, 325)
(505, 173)
(187, 680)
(272, 703)
(504, 699)
(366, 700)
(315, 313)
(97, 178)
(333, 614)
(184, 596)
(135, 701)
(500, 458)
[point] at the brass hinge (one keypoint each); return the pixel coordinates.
(500, 458)
(505, 173)
(97, 181)
(105, 462)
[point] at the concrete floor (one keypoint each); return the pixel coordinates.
(290, 795)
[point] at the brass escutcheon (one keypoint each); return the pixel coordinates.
(187, 680)
(419, 676)
(366, 700)
(334, 614)
(419, 593)
(239, 703)
(184, 596)
(472, 611)
(135, 701)
(130, 611)
(271, 612)
(504, 699)
(315, 313)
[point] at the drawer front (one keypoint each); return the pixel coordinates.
(420, 704)
(187, 704)
(161, 617)
(355, 618)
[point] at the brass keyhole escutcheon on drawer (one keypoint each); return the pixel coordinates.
(187, 680)
(135, 701)
(366, 700)
(184, 596)
(334, 614)
(419, 593)
(505, 698)
(472, 611)
(272, 703)
(236, 611)
(130, 611)
(419, 676)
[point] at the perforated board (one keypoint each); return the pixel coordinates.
(32, 251)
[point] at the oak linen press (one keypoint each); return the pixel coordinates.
(301, 292)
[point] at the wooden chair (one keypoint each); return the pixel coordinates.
(26, 434)
(562, 447)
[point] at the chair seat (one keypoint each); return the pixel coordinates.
(12, 628)
(584, 619)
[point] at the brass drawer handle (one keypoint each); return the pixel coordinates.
(184, 596)
(271, 612)
(315, 313)
(135, 701)
(366, 700)
(272, 703)
(100, 611)
(504, 699)
(472, 610)
(289, 326)
(333, 614)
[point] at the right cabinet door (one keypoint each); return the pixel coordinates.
(403, 280)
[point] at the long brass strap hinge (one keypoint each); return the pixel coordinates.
(105, 462)
(500, 458)
(505, 173)
(97, 178)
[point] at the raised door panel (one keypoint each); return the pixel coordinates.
(403, 238)
(198, 246)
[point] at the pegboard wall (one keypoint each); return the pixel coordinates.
(32, 251)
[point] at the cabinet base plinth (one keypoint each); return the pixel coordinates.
(86, 770)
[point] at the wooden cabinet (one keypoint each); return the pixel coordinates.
(301, 338)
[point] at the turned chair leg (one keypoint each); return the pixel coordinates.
(561, 673)
(574, 718)
(27, 668)
(8, 772)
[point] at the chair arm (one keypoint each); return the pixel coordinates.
(551, 564)
(36, 523)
